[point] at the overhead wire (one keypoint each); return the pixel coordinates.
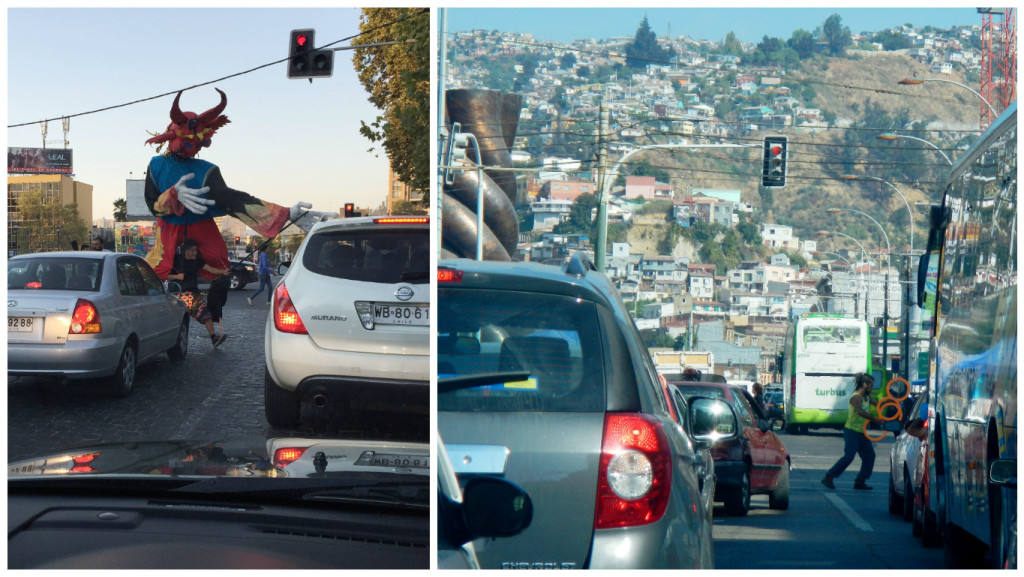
(235, 75)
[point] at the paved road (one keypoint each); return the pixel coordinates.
(823, 529)
(213, 394)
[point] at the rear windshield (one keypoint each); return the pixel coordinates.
(53, 273)
(380, 256)
(555, 339)
(690, 391)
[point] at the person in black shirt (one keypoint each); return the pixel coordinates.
(186, 271)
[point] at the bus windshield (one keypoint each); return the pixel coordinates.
(829, 337)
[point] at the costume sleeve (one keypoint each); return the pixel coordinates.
(266, 218)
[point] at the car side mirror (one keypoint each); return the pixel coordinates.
(172, 287)
(283, 267)
(1003, 472)
(493, 507)
(712, 419)
(893, 426)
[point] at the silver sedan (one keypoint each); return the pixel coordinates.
(85, 315)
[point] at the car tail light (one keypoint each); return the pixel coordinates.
(635, 473)
(286, 318)
(448, 275)
(287, 455)
(85, 320)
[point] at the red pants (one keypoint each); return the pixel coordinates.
(170, 236)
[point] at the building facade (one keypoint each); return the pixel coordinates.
(56, 189)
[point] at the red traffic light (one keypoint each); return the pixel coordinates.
(776, 149)
(300, 40)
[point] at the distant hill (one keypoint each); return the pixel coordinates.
(843, 87)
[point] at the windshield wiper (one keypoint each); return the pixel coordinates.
(460, 382)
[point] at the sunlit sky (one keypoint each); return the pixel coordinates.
(288, 140)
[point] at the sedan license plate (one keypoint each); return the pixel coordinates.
(401, 314)
(19, 324)
(394, 460)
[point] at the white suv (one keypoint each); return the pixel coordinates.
(349, 325)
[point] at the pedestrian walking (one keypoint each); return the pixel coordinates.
(186, 270)
(855, 442)
(758, 391)
(263, 271)
(216, 298)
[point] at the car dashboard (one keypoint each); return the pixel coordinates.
(65, 530)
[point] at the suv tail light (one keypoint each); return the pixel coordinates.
(85, 320)
(449, 275)
(287, 455)
(635, 473)
(286, 318)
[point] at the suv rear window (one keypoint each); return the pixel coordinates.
(556, 339)
(380, 256)
(53, 273)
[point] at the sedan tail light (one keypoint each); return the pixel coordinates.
(85, 320)
(286, 318)
(635, 473)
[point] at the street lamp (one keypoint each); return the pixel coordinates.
(885, 298)
(908, 81)
(910, 212)
(894, 136)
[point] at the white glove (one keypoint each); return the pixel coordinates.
(191, 197)
(305, 219)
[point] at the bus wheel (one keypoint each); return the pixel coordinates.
(791, 429)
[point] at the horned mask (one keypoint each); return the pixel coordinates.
(189, 132)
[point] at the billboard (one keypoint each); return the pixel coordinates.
(39, 160)
(134, 237)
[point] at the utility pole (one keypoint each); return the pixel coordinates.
(602, 205)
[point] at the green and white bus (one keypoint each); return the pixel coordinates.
(823, 353)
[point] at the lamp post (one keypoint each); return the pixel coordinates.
(863, 282)
(893, 136)
(910, 212)
(885, 298)
(909, 81)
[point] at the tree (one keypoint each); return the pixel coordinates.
(121, 210)
(568, 61)
(732, 45)
(397, 77)
(583, 73)
(644, 49)
(48, 226)
(803, 42)
(580, 216)
(836, 35)
(407, 207)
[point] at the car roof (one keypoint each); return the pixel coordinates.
(65, 254)
(578, 278)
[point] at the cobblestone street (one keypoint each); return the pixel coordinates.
(214, 394)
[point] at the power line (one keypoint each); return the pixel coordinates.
(404, 18)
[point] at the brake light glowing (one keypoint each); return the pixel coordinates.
(286, 318)
(85, 320)
(287, 455)
(402, 220)
(34, 285)
(447, 275)
(635, 473)
(83, 459)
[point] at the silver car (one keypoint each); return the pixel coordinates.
(84, 315)
(349, 326)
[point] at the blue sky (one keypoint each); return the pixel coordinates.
(749, 24)
(288, 140)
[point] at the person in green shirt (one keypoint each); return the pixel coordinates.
(855, 442)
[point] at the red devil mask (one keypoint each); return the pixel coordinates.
(188, 132)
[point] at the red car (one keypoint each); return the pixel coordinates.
(755, 461)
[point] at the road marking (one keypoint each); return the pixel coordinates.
(848, 511)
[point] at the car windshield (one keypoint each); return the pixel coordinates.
(379, 256)
(54, 273)
(555, 339)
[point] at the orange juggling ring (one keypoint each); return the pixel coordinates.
(889, 402)
(888, 389)
(869, 436)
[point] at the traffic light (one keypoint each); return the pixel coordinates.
(773, 162)
(350, 210)
(304, 61)
(237, 238)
